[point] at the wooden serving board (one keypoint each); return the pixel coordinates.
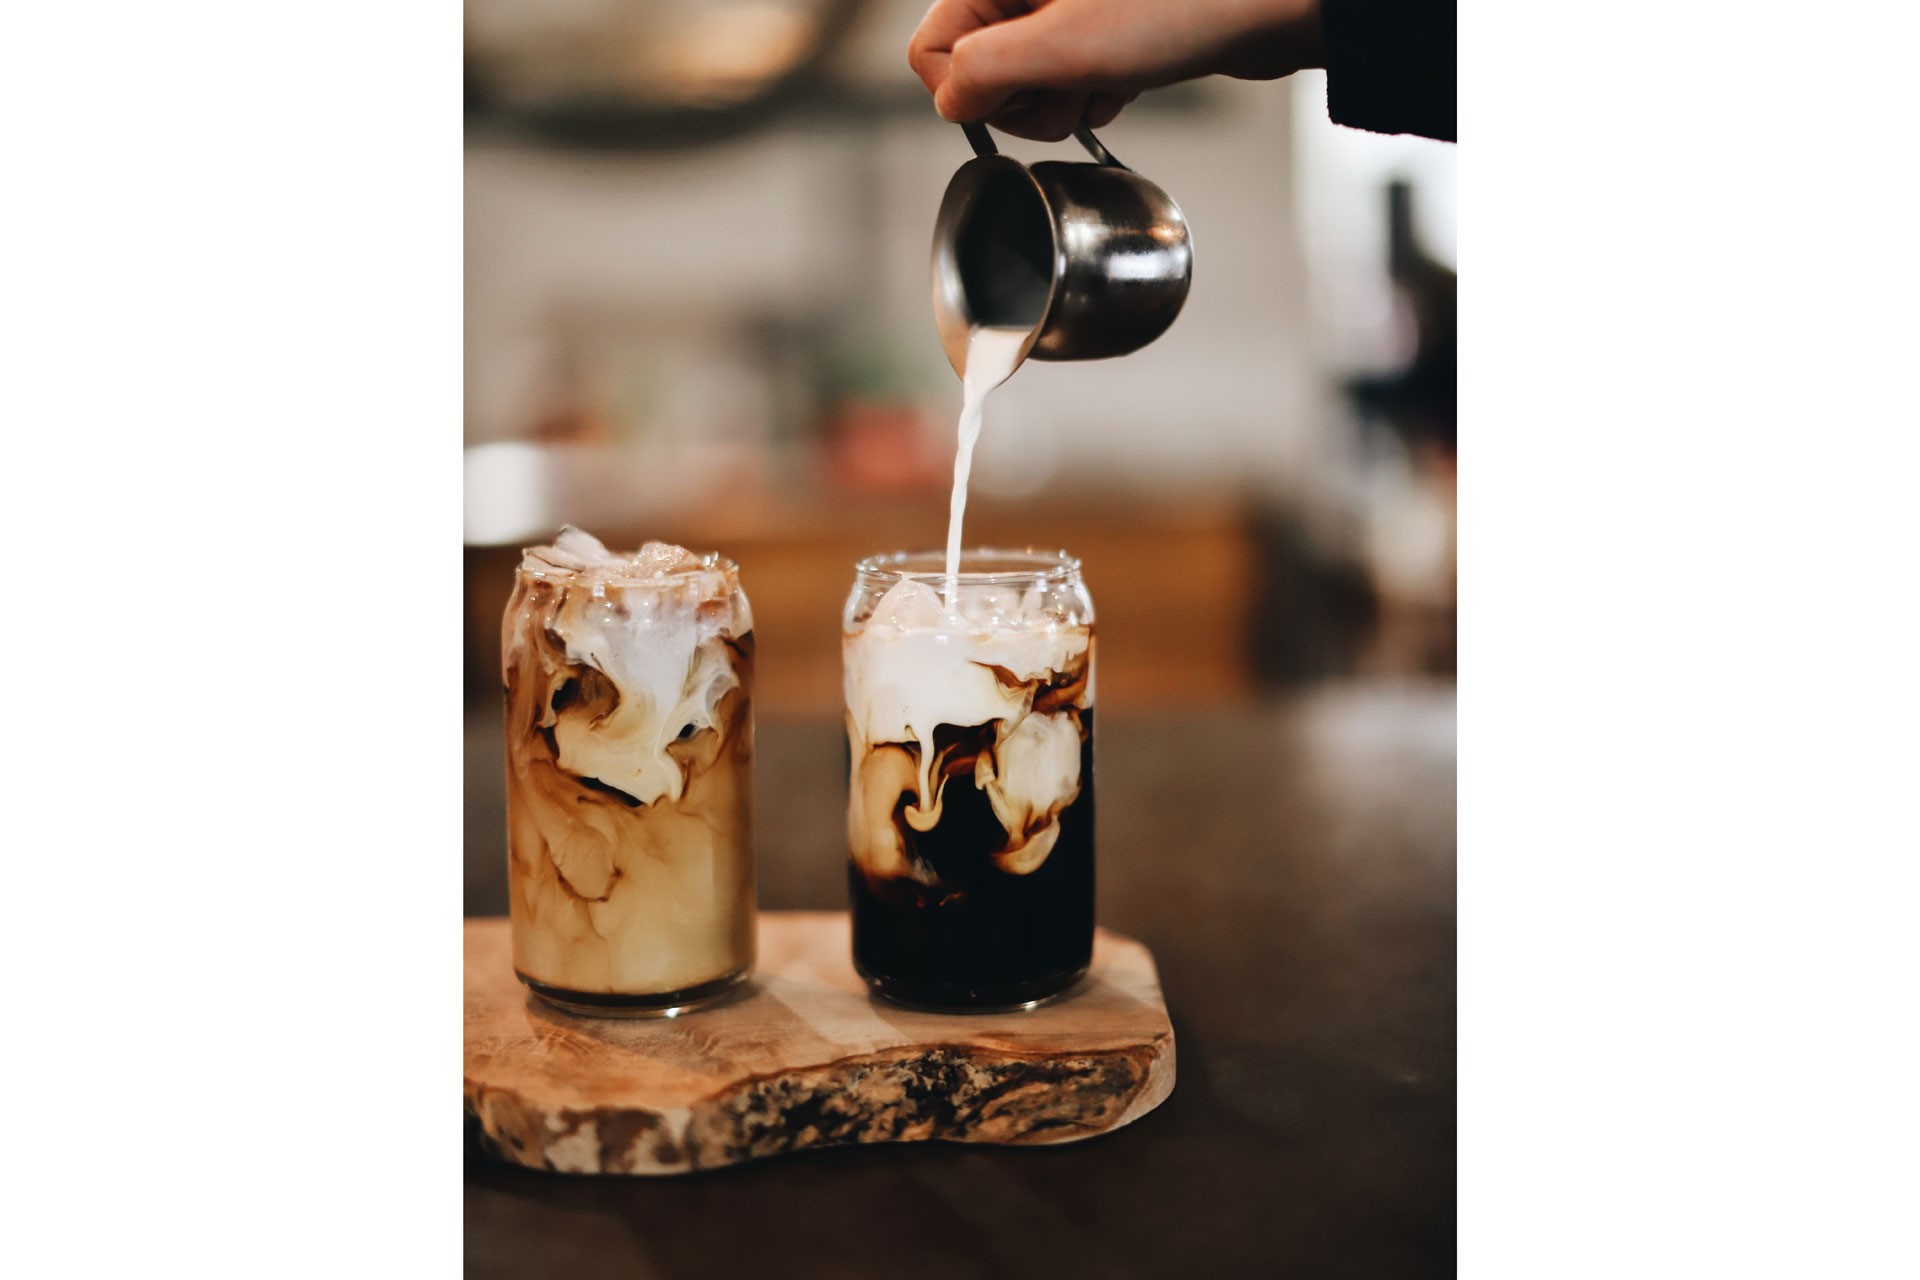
(803, 1057)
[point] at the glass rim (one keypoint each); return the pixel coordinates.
(710, 562)
(1034, 564)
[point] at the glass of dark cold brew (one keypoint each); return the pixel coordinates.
(970, 789)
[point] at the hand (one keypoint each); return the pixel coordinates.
(1037, 68)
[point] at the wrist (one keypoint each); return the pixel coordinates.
(1272, 38)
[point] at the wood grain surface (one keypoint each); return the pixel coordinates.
(802, 1058)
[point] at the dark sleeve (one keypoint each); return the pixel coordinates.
(1390, 65)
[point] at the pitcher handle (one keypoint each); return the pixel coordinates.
(982, 143)
(1094, 147)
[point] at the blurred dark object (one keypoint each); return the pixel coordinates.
(653, 73)
(1409, 421)
(1419, 401)
(1313, 611)
(1392, 65)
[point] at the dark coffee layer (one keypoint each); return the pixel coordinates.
(978, 936)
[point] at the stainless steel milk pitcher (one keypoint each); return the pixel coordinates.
(1092, 260)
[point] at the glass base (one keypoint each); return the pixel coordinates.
(612, 1004)
(1014, 998)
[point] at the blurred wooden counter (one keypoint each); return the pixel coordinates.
(1172, 579)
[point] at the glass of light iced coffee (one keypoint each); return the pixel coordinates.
(970, 791)
(629, 680)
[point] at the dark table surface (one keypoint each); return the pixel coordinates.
(1292, 868)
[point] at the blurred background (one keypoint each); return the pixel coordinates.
(697, 309)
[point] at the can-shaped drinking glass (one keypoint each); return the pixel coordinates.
(970, 777)
(629, 683)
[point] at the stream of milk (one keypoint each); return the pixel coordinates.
(992, 355)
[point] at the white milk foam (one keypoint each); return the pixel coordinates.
(992, 356)
(911, 668)
(655, 623)
(914, 667)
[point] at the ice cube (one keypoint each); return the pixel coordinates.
(909, 605)
(576, 549)
(659, 559)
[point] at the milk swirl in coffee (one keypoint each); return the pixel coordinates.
(969, 691)
(629, 683)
